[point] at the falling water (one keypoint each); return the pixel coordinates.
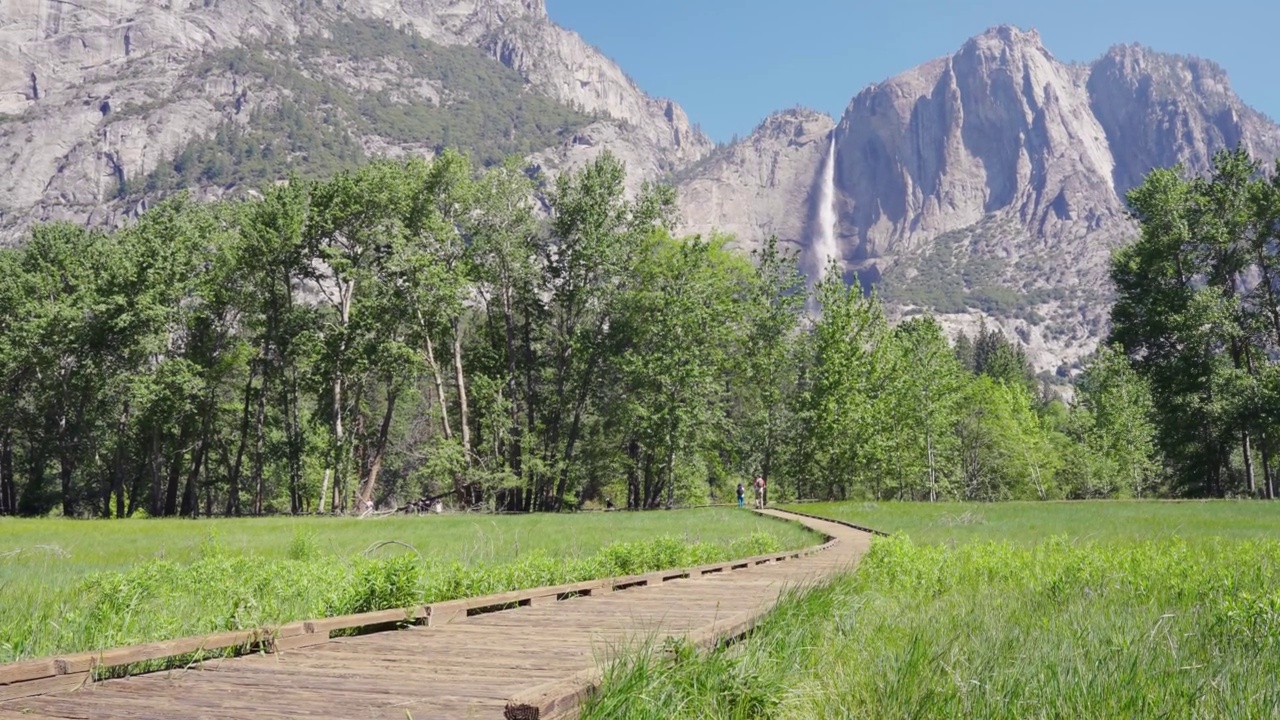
(825, 247)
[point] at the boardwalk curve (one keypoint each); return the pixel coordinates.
(536, 661)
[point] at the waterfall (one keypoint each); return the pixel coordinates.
(824, 248)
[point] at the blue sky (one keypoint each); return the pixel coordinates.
(732, 62)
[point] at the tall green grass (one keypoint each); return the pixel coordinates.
(1100, 623)
(84, 586)
(1031, 522)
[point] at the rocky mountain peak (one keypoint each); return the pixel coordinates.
(795, 126)
(1153, 76)
(763, 185)
(987, 185)
(1161, 110)
(1001, 38)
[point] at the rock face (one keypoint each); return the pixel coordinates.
(988, 185)
(68, 70)
(765, 185)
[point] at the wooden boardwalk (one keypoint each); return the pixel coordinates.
(528, 662)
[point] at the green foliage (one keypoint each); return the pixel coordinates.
(304, 545)
(1117, 424)
(1149, 628)
(957, 273)
(321, 96)
(225, 589)
(901, 414)
(410, 331)
(1028, 523)
(1196, 317)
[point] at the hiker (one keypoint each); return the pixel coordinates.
(741, 496)
(759, 483)
(764, 492)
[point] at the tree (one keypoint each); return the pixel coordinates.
(1121, 432)
(774, 307)
(1195, 322)
(679, 325)
(355, 223)
(927, 399)
(844, 403)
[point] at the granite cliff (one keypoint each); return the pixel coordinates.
(987, 185)
(97, 98)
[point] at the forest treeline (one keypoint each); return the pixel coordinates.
(429, 329)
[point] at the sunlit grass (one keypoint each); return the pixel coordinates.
(1030, 522)
(1086, 610)
(76, 585)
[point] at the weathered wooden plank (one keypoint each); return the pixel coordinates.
(29, 670)
(554, 700)
(295, 642)
(347, 622)
(443, 613)
(43, 686)
(116, 657)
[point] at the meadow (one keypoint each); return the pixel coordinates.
(1028, 523)
(1035, 610)
(69, 585)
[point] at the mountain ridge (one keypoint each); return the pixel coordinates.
(984, 186)
(65, 69)
(987, 185)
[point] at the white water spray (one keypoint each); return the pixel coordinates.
(824, 248)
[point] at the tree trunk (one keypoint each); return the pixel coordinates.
(933, 477)
(463, 414)
(118, 463)
(157, 486)
(1246, 448)
(139, 482)
(649, 486)
(379, 448)
(575, 423)
(633, 474)
(530, 396)
(440, 396)
(190, 496)
(260, 438)
(339, 438)
(671, 480)
(288, 368)
(324, 491)
(66, 471)
(8, 485)
(293, 434)
(233, 479)
(175, 473)
(1268, 479)
(338, 442)
(36, 469)
(190, 499)
(514, 459)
